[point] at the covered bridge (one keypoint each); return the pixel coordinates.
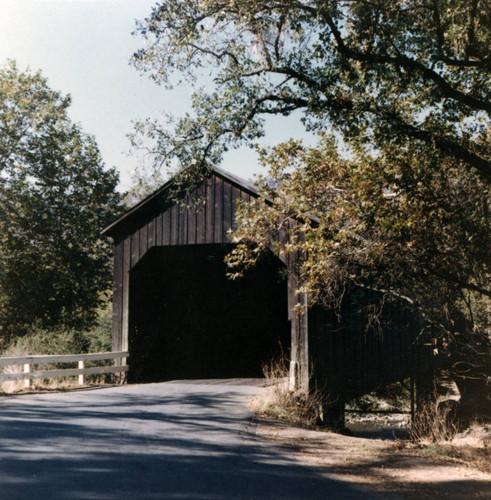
(179, 316)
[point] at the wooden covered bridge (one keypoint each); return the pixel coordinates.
(180, 317)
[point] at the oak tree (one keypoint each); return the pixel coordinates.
(55, 197)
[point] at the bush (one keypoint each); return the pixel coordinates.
(434, 423)
(60, 340)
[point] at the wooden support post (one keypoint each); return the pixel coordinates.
(413, 400)
(27, 381)
(81, 377)
(299, 375)
(333, 414)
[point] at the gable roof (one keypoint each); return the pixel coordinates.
(148, 204)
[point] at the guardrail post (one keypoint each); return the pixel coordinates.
(27, 381)
(81, 377)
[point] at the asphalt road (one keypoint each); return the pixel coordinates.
(153, 441)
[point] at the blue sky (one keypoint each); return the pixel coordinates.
(83, 48)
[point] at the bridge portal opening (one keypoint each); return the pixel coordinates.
(187, 320)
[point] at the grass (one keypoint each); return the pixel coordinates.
(279, 402)
(433, 424)
(471, 446)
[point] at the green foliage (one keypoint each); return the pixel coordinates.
(98, 336)
(62, 340)
(406, 74)
(55, 198)
(400, 230)
(39, 341)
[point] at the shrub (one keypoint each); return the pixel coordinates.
(59, 340)
(434, 423)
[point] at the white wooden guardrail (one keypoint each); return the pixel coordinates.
(28, 361)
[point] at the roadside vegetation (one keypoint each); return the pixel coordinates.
(59, 340)
(279, 402)
(434, 458)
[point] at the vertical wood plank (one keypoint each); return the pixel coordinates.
(135, 254)
(143, 240)
(183, 224)
(174, 234)
(201, 216)
(27, 370)
(81, 377)
(244, 196)
(126, 294)
(117, 296)
(218, 229)
(210, 210)
(333, 360)
(151, 234)
(166, 227)
(304, 371)
(283, 256)
(293, 317)
(227, 211)
(235, 196)
(357, 353)
(158, 230)
(192, 216)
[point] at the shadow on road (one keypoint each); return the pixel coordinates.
(155, 441)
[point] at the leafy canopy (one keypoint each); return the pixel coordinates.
(401, 229)
(55, 197)
(409, 73)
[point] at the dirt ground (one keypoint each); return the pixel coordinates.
(460, 470)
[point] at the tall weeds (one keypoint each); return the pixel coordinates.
(279, 402)
(433, 423)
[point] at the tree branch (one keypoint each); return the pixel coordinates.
(407, 63)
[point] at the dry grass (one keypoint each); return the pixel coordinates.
(472, 447)
(279, 402)
(410, 471)
(17, 386)
(52, 384)
(434, 423)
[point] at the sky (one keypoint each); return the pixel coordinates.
(83, 48)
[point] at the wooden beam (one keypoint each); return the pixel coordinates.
(62, 358)
(68, 372)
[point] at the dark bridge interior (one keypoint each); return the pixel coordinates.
(188, 320)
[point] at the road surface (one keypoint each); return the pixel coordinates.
(153, 441)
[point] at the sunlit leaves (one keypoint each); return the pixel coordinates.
(55, 198)
(379, 72)
(406, 226)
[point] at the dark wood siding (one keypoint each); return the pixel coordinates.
(351, 361)
(205, 217)
(118, 295)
